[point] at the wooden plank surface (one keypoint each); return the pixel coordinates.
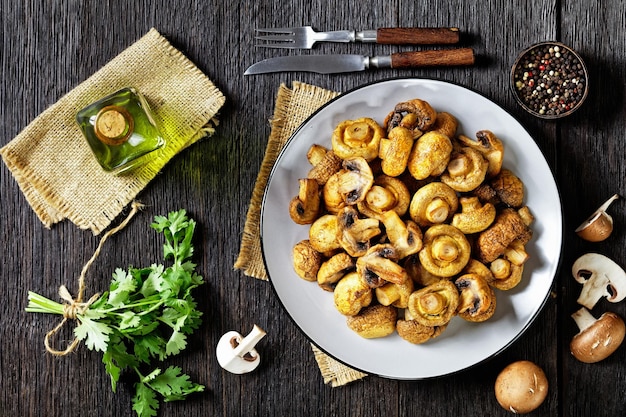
(49, 47)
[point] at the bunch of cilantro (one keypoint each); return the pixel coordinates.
(146, 315)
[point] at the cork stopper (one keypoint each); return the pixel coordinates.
(113, 125)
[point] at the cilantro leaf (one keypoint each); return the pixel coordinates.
(94, 333)
(123, 283)
(145, 402)
(146, 314)
(174, 385)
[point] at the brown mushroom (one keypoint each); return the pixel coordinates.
(394, 151)
(430, 155)
(466, 170)
(446, 250)
(416, 115)
(509, 188)
(354, 233)
(357, 138)
(387, 193)
(305, 207)
(379, 266)
(374, 321)
(490, 147)
(507, 227)
(599, 225)
(306, 260)
(325, 167)
(521, 387)
(434, 203)
(474, 216)
(434, 305)
(333, 269)
(352, 294)
(598, 338)
(477, 301)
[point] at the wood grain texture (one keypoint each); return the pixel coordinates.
(50, 46)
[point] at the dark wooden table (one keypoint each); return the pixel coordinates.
(49, 47)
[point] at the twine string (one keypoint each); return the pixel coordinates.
(74, 307)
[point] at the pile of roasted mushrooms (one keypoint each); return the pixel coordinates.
(411, 224)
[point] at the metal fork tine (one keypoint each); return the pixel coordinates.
(275, 30)
(292, 37)
(274, 38)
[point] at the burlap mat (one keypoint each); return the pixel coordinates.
(292, 108)
(53, 164)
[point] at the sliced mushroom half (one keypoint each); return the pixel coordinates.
(601, 277)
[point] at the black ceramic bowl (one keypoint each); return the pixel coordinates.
(549, 80)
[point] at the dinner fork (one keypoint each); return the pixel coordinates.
(305, 37)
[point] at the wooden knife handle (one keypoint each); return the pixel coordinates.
(417, 36)
(434, 58)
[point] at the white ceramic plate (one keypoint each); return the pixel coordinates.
(462, 344)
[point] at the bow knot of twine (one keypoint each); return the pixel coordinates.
(74, 307)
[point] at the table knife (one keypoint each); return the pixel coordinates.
(338, 63)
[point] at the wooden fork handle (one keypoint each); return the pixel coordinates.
(417, 36)
(433, 58)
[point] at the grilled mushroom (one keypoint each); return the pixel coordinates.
(416, 333)
(394, 151)
(387, 193)
(332, 270)
(489, 146)
(354, 233)
(323, 234)
(507, 227)
(355, 180)
(374, 321)
(416, 115)
(357, 138)
(446, 250)
(474, 216)
(379, 266)
(466, 170)
(445, 124)
(306, 260)
(394, 294)
(434, 305)
(352, 294)
(406, 238)
(477, 301)
(430, 155)
(305, 207)
(433, 203)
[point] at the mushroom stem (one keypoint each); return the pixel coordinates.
(607, 203)
(583, 318)
(247, 344)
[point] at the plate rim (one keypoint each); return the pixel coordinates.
(522, 331)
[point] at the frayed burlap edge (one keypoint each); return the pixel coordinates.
(335, 373)
(292, 108)
(43, 195)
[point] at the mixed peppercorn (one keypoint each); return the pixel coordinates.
(550, 80)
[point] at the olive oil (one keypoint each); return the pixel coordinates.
(121, 130)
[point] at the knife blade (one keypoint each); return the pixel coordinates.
(339, 63)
